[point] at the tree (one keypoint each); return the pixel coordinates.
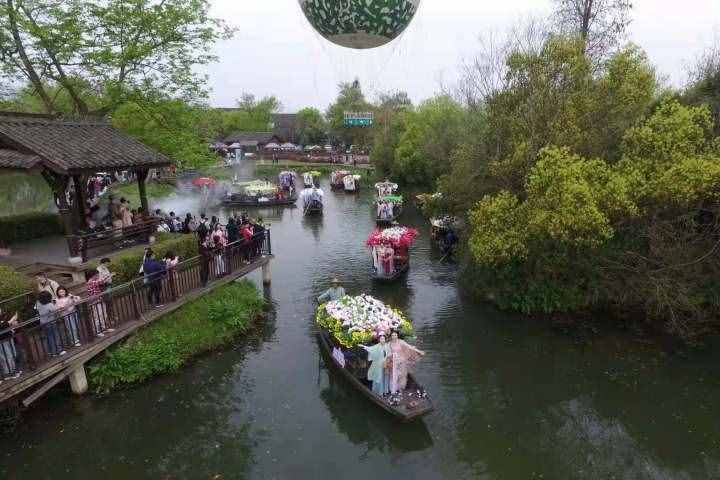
(431, 134)
(173, 127)
(311, 127)
(601, 24)
(350, 99)
(251, 115)
(118, 47)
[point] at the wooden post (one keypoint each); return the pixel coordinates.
(79, 201)
(59, 183)
(142, 174)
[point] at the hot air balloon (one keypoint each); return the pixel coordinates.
(360, 24)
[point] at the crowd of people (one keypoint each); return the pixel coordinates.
(55, 308)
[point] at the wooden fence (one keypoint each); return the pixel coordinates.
(41, 339)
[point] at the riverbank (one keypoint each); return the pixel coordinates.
(169, 343)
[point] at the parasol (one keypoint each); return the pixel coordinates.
(204, 182)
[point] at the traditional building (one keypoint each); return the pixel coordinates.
(69, 151)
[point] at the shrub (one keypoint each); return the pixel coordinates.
(28, 226)
(165, 345)
(126, 266)
(12, 284)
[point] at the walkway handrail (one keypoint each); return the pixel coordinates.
(41, 338)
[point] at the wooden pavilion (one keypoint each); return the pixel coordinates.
(67, 152)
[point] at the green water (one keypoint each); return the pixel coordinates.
(513, 399)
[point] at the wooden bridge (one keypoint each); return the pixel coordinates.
(33, 347)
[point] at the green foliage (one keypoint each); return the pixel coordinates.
(311, 127)
(24, 193)
(107, 51)
(172, 127)
(250, 115)
(350, 99)
(13, 283)
(127, 264)
(28, 226)
(169, 342)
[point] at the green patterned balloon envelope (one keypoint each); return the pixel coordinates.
(360, 23)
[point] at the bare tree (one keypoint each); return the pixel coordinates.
(486, 73)
(602, 24)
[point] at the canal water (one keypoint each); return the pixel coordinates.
(513, 399)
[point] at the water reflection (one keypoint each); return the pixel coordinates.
(373, 429)
(313, 223)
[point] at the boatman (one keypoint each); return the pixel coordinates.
(336, 292)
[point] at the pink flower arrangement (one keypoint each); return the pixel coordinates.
(395, 236)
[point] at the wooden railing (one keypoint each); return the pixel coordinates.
(39, 340)
(79, 245)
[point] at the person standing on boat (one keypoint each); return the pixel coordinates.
(403, 358)
(336, 292)
(378, 373)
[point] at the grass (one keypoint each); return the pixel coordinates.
(22, 193)
(154, 191)
(168, 343)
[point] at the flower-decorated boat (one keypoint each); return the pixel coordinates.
(336, 179)
(350, 322)
(385, 188)
(287, 180)
(389, 208)
(389, 249)
(351, 183)
(311, 178)
(257, 193)
(312, 199)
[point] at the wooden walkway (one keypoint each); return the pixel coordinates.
(99, 322)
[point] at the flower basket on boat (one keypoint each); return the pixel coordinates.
(359, 320)
(396, 237)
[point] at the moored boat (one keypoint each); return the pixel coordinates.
(389, 250)
(442, 232)
(345, 344)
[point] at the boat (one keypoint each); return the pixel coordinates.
(257, 193)
(240, 200)
(385, 188)
(351, 183)
(389, 250)
(336, 179)
(402, 411)
(312, 198)
(311, 178)
(287, 180)
(389, 208)
(367, 317)
(442, 232)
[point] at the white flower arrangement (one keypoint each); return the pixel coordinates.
(364, 314)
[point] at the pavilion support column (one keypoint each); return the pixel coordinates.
(266, 275)
(59, 184)
(142, 175)
(80, 200)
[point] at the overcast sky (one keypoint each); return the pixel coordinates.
(276, 52)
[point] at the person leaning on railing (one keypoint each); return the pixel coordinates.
(9, 353)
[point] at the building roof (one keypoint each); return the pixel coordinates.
(71, 146)
(239, 137)
(14, 159)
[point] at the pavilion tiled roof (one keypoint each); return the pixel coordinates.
(71, 146)
(14, 159)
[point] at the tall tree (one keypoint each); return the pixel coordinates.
(601, 24)
(311, 126)
(250, 115)
(116, 46)
(350, 99)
